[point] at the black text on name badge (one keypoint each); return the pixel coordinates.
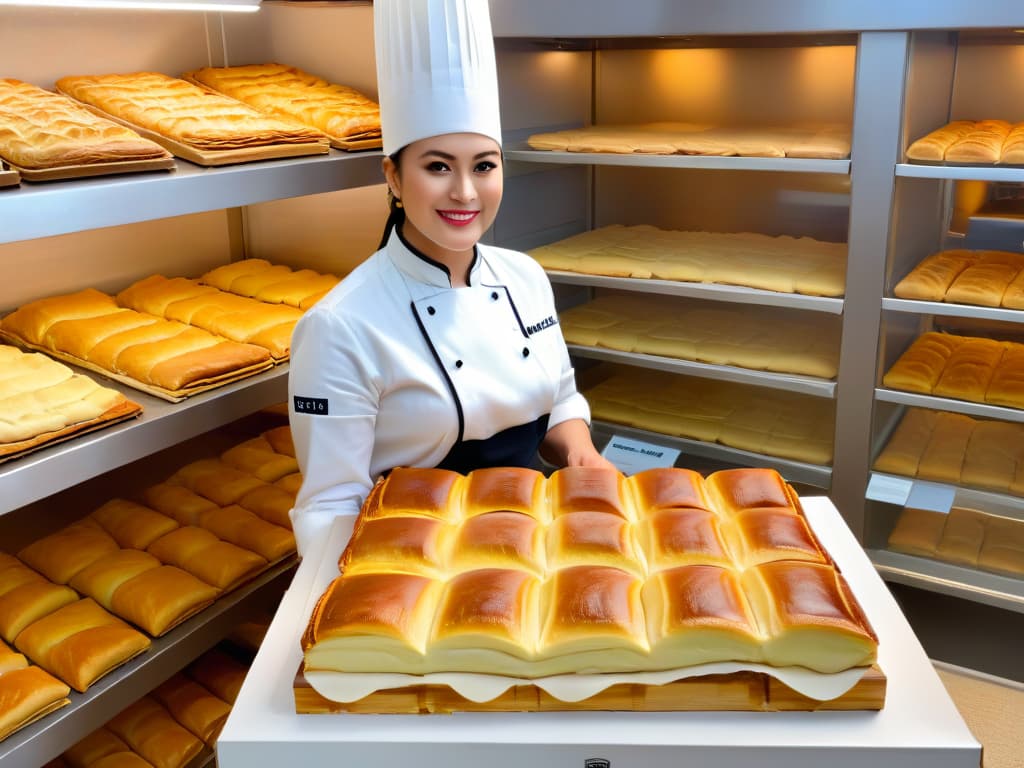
(313, 406)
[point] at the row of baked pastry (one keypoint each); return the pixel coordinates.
(761, 338)
(515, 518)
(962, 367)
(766, 421)
(175, 337)
(592, 608)
(970, 141)
(983, 278)
(168, 728)
(784, 264)
(963, 537)
(830, 141)
(222, 110)
(953, 448)
(27, 693)
(154, 569)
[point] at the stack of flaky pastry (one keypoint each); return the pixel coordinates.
(506, 572)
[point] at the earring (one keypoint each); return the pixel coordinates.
(393, 202)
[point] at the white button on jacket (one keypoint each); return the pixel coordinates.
(394, 367)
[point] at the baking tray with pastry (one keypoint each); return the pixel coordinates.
(48, 137)
(584, 590)
(193, 123)
(348, 118)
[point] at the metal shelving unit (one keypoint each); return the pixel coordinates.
(732, 294)
(807, 385)
(948, 404)
(161, 425)
(893, 489)
(958, 581)
(1000, 314)
(42, 741)
(61, 207)
(794, 471)
(795, 165)
(964, 172)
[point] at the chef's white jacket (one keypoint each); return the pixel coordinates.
(393, 367)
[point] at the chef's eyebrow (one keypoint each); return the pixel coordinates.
(451, 158)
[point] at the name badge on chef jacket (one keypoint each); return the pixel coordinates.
(632, 456)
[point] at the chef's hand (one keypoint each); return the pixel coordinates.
(569, 445)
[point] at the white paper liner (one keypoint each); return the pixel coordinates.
(346, 687)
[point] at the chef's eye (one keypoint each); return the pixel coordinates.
(437, 167)
(485, 166)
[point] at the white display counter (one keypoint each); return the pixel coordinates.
(918, 728)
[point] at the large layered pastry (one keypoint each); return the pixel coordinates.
(184, 113)
(506, 572)
(340, 112)
(43, 130)
(981, 142)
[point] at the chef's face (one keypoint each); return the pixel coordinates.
(450, 187)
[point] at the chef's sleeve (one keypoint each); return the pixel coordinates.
(333, 402)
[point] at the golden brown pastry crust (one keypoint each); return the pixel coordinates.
(39, 130)
(184, 112)
(27, 694)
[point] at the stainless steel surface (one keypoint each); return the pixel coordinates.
(732, 294)
(881, 68)
(47, 738)
(949, 404)
(612, 18)
(941, 308)
(1002, 504)
(59, 207)
(992, 589)
(795, 165)
(794, 471)
(977, 172)
(161, 425)
(807, 385)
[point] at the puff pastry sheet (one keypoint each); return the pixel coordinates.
(660, 570)
(271, 283)
(338, 111)
(983, 278)
(758, 338)
(184, 112)
(829, 141)
(769, 422)
(961, 367)
(43, 130)
(980, 142)
(784, 264)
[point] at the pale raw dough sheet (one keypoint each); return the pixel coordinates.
(783, 264)
(984, 454)
(827, 141)
(761, 338)
(766, 421)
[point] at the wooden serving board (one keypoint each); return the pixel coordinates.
(215, 157)
(8, 176)
(95, 169)
(738, 692)
(173, 396)
(123, 412)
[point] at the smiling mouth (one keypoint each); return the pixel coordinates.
(458, 218)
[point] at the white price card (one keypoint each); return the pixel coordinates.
(893, 490)
(632, 456)
(933, 497)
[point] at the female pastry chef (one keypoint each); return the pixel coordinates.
(437, 351)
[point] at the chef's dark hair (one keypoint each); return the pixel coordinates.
(396, 214)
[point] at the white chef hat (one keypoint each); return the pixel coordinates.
(435, 70)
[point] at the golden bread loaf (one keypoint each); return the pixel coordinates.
(244, 529)
(983, 143)
(280, 439)
(132, 525)
(197, 551)
(968, 141)
(61, 555)
(290, 483)
(446, 573)
(172, 356)
(152, 733)
(783, 264)
(260, 460)
(917, 532)
(933, 146)
(184, 112)
(177, 502)
(287, 92)
(80, 643)
(271, 503)
(25, 596)
(218, 673)
(27, 694)
(984, 283)
(40, 130)
(97, 745)
(40, 395)
(1002, 549)
(224, 314)
(214, 480)
(271, 283)
(930, 280)
(194, 707)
